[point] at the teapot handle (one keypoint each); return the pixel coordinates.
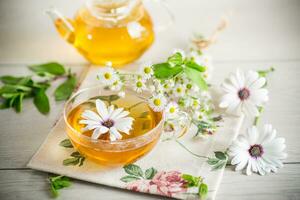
(63, 25)
(169, 14)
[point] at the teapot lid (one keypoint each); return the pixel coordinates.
(111, 10)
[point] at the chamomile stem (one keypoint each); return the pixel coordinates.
(134, 105)
(256, 120)
(182, 145)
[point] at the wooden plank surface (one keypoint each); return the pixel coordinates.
(260, 34)
(29, 184)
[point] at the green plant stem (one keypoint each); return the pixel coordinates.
(134, 105)
(182, 145)
(256, 120)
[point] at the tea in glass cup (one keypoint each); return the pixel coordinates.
(147, 126)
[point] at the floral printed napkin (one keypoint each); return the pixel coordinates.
(160, 172)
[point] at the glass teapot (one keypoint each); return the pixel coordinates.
(116, 31)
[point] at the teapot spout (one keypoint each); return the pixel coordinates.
(63, 25)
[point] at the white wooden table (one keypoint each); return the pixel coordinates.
(262, 33)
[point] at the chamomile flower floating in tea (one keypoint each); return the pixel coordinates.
(107, 120)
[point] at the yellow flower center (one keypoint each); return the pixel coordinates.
(139, 84)
(189, 86)
(157, 102)
(147, 70)
(195, 103)
(172, 110)
(178, 90)
(107, 76)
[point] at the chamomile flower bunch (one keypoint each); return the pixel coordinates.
(178, 87)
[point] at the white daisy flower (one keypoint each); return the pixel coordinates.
(195, 104)
(117, 85)
(107, 120)
(172, 110)
(146, 70)
(259, 152)
(179, 90)
(158, 102)
(107, 75)
(199, 116)
(139, 85)
(244, 93)
(192, 89)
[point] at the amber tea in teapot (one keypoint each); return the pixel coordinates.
(116, 31)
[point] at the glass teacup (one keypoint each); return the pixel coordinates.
(119, 152)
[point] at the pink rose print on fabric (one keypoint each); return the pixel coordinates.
(139, 186)
(165, 183)
(168, 183)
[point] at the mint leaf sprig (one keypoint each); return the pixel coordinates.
(193, 181)
(17, 88)
(176, 65)
(57, 183)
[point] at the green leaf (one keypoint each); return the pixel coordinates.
(14, 88)
(82, 159)
(76, 154)
(51, 68)
(41, 85)
(212, 161)
(196, 77)
(19, 101)
(57, 183)
(41, 101)
(71, 161)
(150, 173)
(264, 73)
(127, 179)
(66, 143)
(191, 180)
(219, 165)
(220, 155)
(53, 190)
(193, 65)
(4, 104)
(65, 90)
(203, 190)
(134, 170)
(175, 59)
(12, 79)
(165, 71)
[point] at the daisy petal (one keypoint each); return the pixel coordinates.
(101, 109)
(115, 132)
(88, 114)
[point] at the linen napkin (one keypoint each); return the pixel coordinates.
(162, 168)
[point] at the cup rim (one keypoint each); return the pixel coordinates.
(89, 139)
